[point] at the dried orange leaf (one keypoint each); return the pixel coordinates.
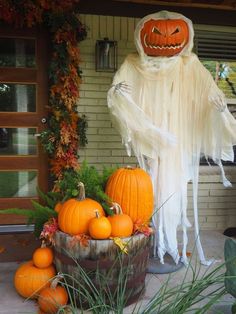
(188, 254)
(140, 227)
(82, 239)
(49, 229)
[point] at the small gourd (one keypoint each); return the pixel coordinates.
(43, 256)
(99, 227)
(121, 224)
(52, 298)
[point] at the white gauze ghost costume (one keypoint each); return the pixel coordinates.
(170, 112)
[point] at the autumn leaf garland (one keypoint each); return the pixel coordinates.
(62, 142)
(20, 13)
(66, 129)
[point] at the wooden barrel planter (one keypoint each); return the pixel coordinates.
(105, 264)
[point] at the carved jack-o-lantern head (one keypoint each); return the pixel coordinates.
(164, 37)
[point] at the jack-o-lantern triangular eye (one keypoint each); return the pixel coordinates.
(156, 31)
(176, 31)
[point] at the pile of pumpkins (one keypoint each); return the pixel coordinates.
(36, 279)
(130, 190)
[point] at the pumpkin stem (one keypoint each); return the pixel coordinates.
(56, 280)
(43, 244)
(81, 188)
(117, 208)
(129, 167)
(97, 213)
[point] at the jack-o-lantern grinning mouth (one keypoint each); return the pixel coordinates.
(156, 46)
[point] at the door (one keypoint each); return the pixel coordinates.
(23, 99)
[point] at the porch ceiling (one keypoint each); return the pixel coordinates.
(212, 4)
(214, 12)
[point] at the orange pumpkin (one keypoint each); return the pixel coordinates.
(43, 256)
(29, 280)
(121, 224)
(52, 298)
(75, 214)
(132, 189)
(164, 37)
(99, 227)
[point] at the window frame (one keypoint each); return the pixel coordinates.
(214, 30)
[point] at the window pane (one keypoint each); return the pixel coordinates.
(21, 183)
(17, 97)
(18, 141)
(17, 52)
(224, 73)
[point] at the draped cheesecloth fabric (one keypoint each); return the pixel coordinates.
(170, 112)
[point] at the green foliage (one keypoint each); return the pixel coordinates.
(48, 145)
(225, 73)
(230, 260)
(93, 181)
(50, 198)
(188, 296)
(82, 130)
(37, 216)
(92, 290)
(233, 309)
(197, 294)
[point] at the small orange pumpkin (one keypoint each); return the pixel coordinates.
(58, 207)
(75, 214)
(121, 224)
(43, 256)
(164, 37)
(132, 189)
(52, 298)
(29, 280)
(99, 227)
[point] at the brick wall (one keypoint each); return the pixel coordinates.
(104, 143)
(217, 205)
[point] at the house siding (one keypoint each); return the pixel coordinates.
(217, 205)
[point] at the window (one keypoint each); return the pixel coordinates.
(217, 51)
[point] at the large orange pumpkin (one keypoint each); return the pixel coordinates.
(164, 37)
(75, 214)
(132, 189)
(30, 280)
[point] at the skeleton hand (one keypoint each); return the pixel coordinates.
(218, 102)
(122, 87)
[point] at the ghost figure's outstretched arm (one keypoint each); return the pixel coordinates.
(224, 132)
(135, 127)
(217, 98)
